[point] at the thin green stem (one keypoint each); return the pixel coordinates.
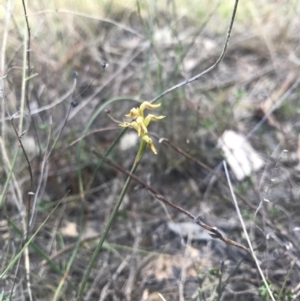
(111, 220)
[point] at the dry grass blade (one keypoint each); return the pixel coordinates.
(27, 243)
(247, 235)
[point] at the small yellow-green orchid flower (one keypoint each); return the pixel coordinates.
(139, 123)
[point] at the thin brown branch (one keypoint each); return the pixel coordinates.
(214, 232)
(30, 193)
(196, 77)
(186, 155)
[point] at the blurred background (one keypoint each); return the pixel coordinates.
(90, 62)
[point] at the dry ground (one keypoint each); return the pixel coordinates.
(151, 247)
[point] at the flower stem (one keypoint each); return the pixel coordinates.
(111, 220)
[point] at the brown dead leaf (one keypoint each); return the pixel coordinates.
(69, 229)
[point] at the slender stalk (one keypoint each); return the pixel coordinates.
(111, 220)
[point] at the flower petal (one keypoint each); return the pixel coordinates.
(148, 105)
(125, 124)
(150, 143)
(151, 117)
(135, 112)
(132, 125)
(141, 123)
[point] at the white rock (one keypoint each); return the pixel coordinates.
(129, 140)
(239, 154)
